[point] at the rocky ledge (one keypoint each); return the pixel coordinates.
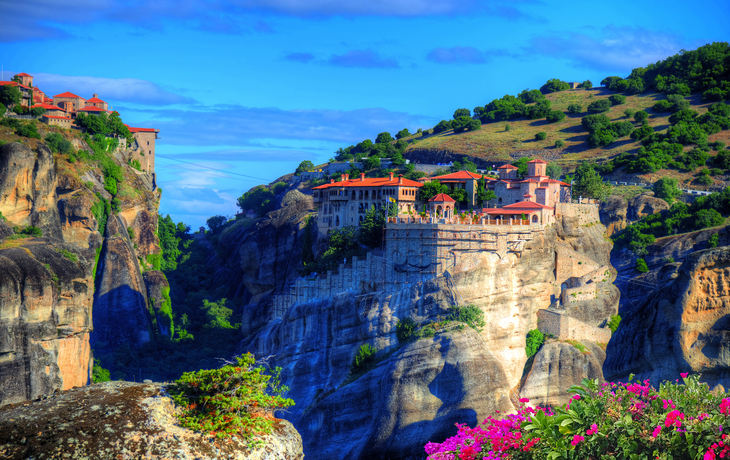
(120, 421)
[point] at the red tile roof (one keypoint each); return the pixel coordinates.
(499, 211)
(67, 94)
(370, 182)
(24, 75)
(461, 175)
(13, 83)
(48, 107)
(91, 108)
(442, 197)
(95, 100)
(527, 205)
(537, 161)
(508, 167)
(142, 130)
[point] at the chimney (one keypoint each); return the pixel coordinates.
(342, 177)
(332, 181)
(362, 177)
(391, 176)
(400, 179)
(347, 177)
(95, 95)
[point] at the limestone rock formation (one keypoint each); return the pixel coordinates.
(120, 306)
(123, 420)
(78, 223)
(158, 296)
(645, 204)
(28, 188)
(681, 327)
(614, 214)
(45, 317)
(418, 391)
(557, 367)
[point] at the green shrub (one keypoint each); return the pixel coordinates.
(30, 230)
(641, 116)
(130, 232)
(365, 355)
(59, 144)
(507, 127)
(541, 136)
(617, 99)
(629, 113)
(405, 329)
(641, 266)
(575, 109)
(614, 322)
(471, 315)
(559, 144)
(705, 179)
(534, 341)
(28, 130)
(237, 399)
(714, 240)
(555, 116)
(599, 106)
(68, 254)
(99, 374)
(669, 260)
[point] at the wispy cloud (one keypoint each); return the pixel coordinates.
(226, 125)
(612, 49)
(113, 90)
(363, 58)
(299, 57)
(457, 55)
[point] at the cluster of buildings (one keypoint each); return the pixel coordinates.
(532, 198)
(62, 109)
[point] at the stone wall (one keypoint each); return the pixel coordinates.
(576, 294)
(567, 328)
(587, 213)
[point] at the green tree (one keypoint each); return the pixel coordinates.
(541, 136)
(641, 116)
(530, 96)
(484, 194)
(554, 171)
(554, 85)
(593, 123)
(575, 109)
(215, 223)
(599, 106)
(522, 166)
(588, 183)
(559, 144)
(218, 315)
(372, 228)
(586, 85)
(461, 113)
(37, 111)
(403, 133)
(666, 189)
(555, 116)
(383, 138)
(617, 99)
(609, 80)
(641, 266)
(443, 125)
(431, 189)
(465, 124)
(534, 341)
(10, 95)
(372, 162)
(304, 166)
(259, 199)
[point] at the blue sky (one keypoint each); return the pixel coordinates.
(254, 87)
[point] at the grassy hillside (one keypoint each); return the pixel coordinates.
(494, 142)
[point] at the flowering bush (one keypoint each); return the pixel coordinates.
(609, 421)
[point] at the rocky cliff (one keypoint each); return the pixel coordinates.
(681, 327)
(419, 390)
(47, 284)
(122, 420)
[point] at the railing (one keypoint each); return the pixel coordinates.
(457, 221)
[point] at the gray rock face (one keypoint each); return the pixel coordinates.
(115, 420)
(681, 327)
(120, 306)
(645, 205)
(157, 284)
(28, 188)
(613, 213)
(419, 392)
(557, 367)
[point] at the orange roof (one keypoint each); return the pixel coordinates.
(461, 175)
(527, 205)
(91, 108)
(24, 75)
(56, 118)
(142, 130)
(369, 182)
(67, 94)
(48, 107)
(508, 167)
(442, 197)
(95, 100)
(537, 161)
(499, 211)
(13, 83)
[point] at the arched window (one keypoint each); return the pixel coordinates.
(534, 218)
(500, 201)
(366, 194)
(337, 221)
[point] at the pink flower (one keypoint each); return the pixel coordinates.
(684, 375)
(709, 455)
(674, 418)
(668, 403)
(725, 406)
(593, 430)
(657, 430)
(577, 439)
(524, 400)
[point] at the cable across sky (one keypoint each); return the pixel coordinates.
(214, 169)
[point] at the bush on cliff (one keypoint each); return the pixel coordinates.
(236, 400)
(614, 322)
(534, 341)
(405, 330)
(612, 420)
(471, 315)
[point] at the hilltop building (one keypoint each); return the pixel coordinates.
(145, 138)
(345, 202)
(26, 92)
